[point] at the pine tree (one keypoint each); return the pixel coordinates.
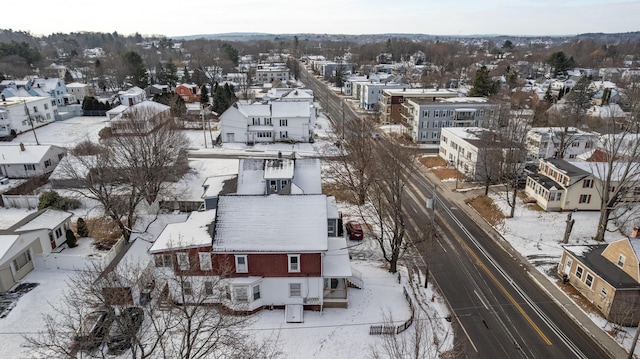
(67, 77)
(82, 229)
(186, 77)
(204, 96)
(483, 85)
(72, 241)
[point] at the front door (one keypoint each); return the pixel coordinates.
(52, 240)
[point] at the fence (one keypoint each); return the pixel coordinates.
(392, 329)
(77, 262)
(20, 201)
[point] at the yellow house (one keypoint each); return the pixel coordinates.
(608, 275)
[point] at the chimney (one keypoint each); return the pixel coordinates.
(634, 232)
(21, 146)
(279, 154)
(4, 99)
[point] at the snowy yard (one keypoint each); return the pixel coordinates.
(537, 235)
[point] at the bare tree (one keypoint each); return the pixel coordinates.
(419, 341)
(392, 165)
(190, 326)
(619, 174)
(124, 171)
(351, 167)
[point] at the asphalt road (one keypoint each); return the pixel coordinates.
(498, 310)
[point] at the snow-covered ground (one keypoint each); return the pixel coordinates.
(332, 333)
(537, 234)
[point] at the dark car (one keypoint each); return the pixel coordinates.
(354, 230)
(124, 328)
(93, 329)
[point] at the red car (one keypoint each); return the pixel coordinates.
(354, 230)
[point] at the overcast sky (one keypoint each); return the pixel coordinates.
(443, 17)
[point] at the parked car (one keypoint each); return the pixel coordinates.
(354, 230)
(93, 329)
(124, 329)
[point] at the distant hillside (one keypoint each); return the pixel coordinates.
(364, 38)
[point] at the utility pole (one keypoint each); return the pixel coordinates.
(26, 109)
(431, 204)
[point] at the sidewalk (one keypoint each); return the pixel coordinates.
(604, 340)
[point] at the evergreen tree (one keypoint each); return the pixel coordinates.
(204, 96)
(72, 241)
(231, 53)
(82, 228)
(483, 85)
(67, 77)
(186, 77)
(136, 69)
(560, 63)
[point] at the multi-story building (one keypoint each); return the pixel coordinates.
(392, 100)
(80, 91)
(278, 121)
(20, 114)
(268, 74)
(545, 142)
(371, 93)
(425, 117)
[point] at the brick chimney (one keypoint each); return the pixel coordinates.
(634, 232)
(21, 146)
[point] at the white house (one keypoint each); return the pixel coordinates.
(52, 87)
(132, 96)
(275, 122)
(24, 161)
(21, 114)
(30, 239)
(545, 142)
(80, 91)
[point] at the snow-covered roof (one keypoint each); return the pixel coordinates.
(306, 175)
(278, 168)
(46, 219)
(257, 110)
(601, 169)
(335, 263)
(213, 185)
(6, 241)
(290, 109)
(273, 223)
(12, 154)
(332, 208)
(194, 232)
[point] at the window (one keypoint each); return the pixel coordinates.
(331, 227)
(294, 262)
(579, 271)
(187, 289)
(575, 144)
(29, 167)
(284, 134)
(588, 183)
(22, 260)
(46, 106)
(163, 260)
(241, 264)
(283, 122)
(208, 287)
(588, 144)
(256, 292)
(603, 292)
(205, 261)
(58, 232)
(295, 290)
(47, 163)
(240, 294)
(621, 259)
(589, 280)
(183, 260)
(585, 198)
